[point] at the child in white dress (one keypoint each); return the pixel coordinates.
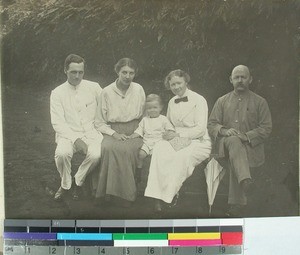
(151, 127)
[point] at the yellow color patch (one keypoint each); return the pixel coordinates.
(193, 236)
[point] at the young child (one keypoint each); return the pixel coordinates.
(151, 127)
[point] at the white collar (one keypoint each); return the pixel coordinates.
(74, 87)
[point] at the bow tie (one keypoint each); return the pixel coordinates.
(181, 99)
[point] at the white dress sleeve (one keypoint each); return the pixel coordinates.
(58, 120)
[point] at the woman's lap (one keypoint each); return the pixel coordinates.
(117, 168)
(196, 152)
(169, 169)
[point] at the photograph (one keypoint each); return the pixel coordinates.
(150, 109)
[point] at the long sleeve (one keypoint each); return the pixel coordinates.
(168, 125)
(264, 127)
(199, 130)
(143, 102)
(141, 128)
(98, 94)
(215, 120)
(58, 120)
(101, 116)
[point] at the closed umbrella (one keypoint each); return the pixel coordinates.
(214, 173)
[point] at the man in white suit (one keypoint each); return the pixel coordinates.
(73, 107)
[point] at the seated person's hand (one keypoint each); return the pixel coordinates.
(233, 132)
(169, 135)
(243, 137)
(121, 137)
(228, 132)
(134, 135)
(81, 146)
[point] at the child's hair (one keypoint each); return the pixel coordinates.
(154, 97)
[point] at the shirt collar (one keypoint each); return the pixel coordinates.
(74, 87)
(115, 88)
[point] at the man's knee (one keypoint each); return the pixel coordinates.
(64, 150)
(232, 141)
(234, 146)
(94, 154)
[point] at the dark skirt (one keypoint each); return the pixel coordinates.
(118, 163)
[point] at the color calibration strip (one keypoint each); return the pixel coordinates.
(198, 236)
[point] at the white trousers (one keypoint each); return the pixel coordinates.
(63, 156)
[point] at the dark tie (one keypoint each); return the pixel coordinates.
(181, 99)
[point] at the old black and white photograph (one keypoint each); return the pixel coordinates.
(150, 109)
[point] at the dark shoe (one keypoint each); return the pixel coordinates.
(248, 186)
(60, 193)
(235, 211)
(76, 192)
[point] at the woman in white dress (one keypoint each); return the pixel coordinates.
(174, 158)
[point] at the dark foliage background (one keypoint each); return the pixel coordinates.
(207, 38)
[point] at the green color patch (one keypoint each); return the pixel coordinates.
(141, 236)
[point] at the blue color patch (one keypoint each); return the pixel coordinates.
(83, 236)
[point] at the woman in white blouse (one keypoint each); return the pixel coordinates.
(120, 109)
(174, 158)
